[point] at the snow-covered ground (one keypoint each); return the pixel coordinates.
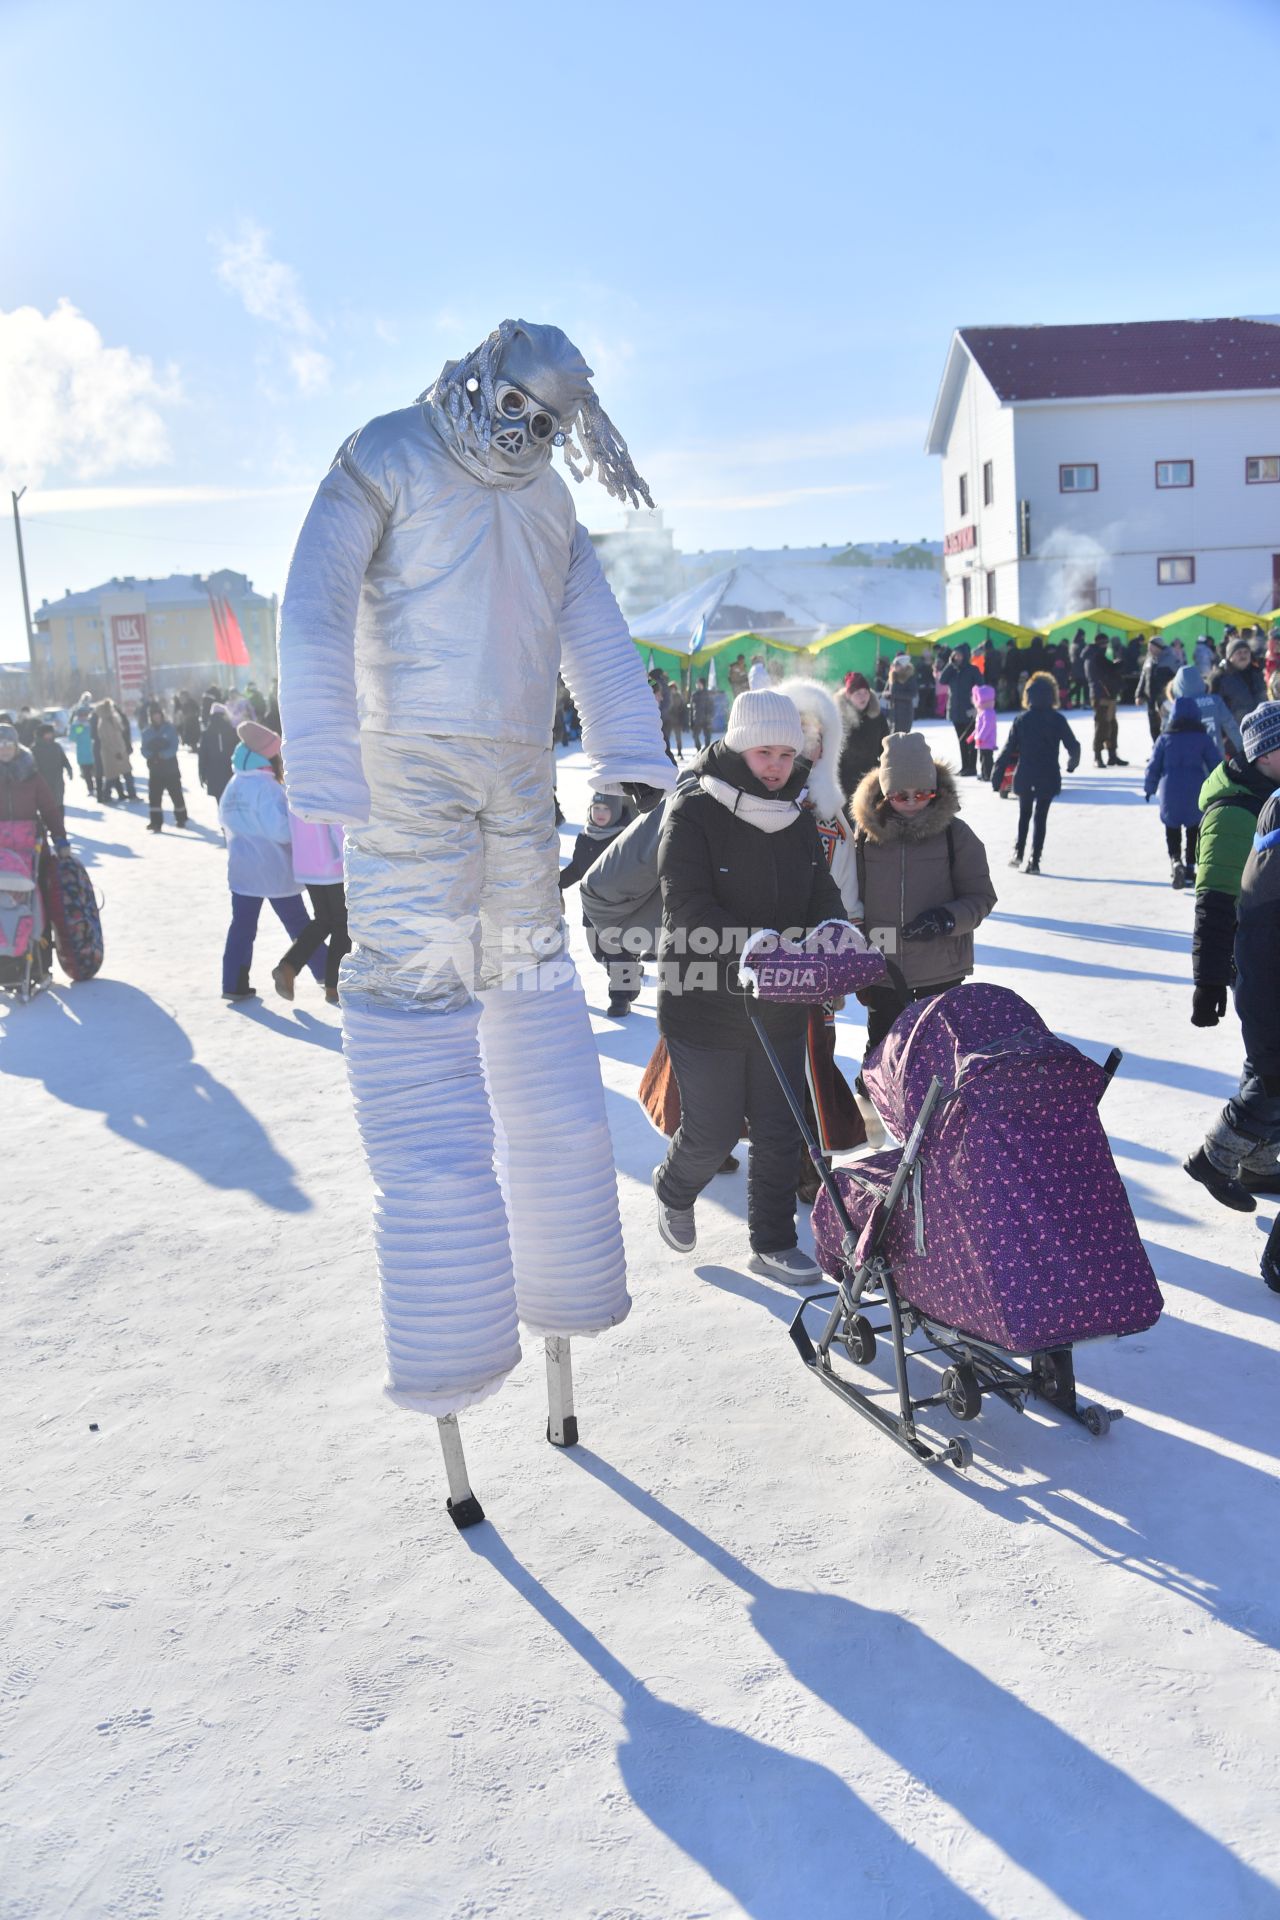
(735, 1654)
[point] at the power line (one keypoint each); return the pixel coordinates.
(118, 533)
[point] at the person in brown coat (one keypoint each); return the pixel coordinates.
(922, 876)
(112, 754)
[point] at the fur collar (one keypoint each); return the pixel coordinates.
(823, 782)
(873, 815)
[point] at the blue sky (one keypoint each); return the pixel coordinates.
(267, 223)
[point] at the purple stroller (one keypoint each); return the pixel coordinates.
(1000, 1232)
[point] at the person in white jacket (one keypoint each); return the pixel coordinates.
(440, 582)
(255, 818)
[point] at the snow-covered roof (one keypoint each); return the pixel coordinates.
(794, 602)
(174, 589)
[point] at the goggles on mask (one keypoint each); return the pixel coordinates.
(515, 405)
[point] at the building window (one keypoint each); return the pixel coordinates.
(964, 494)
(988, 483)
(1262, 469)
(991, 593)
(1078, 479)
(966, 596)
(1175, 473)
(1176, 570)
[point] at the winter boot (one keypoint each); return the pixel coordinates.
(788, 1264)
(1260, 1171)
(156, 822)
(729, 1164)
(180, 819)
(1116, 761)
(676, 1225)
(1271, 1259)
(1179, 876)
(242, 990)
(619, 1006)
(1033, 864)
(284, 977)
(1221, 1185)
(1017, 857)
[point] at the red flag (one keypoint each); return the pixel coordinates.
(228, 641)
(237, 652)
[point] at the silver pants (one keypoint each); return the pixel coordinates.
(474, 1072)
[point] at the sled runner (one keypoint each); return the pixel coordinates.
(1000, 1233)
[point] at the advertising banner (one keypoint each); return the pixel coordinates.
(133, 656)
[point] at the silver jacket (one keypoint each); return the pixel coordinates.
(422, 599)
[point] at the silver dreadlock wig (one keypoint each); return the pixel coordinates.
(465, 400)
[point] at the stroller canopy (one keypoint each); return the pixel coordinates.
(983, 1043)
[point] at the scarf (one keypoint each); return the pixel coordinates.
(770, 815)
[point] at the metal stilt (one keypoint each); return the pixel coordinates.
(562, 1426)
(463, 1507)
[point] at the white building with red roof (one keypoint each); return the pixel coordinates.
(1134, 466)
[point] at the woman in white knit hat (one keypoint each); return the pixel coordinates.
(738, 854)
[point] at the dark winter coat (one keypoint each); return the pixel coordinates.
(217, 744)
(907, 864)
(1230, 800)
(864, 735)
(724, 878)
(25, 794)
(1242, 692)
(1034, 740)
(1180, 761)
(1258, 950)
(593, 841)
(52, 765)
(1155, 676)
(901, 694)
(960, 677)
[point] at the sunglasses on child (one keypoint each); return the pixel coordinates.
(913, 793)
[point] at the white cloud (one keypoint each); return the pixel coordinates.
(271, 291)
(69, 402)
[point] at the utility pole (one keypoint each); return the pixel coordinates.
(36, 690)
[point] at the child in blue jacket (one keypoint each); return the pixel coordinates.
(1180, 761)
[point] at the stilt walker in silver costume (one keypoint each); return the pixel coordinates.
(440, 582)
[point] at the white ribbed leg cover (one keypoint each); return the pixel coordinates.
(448, 1291)
(555, 1154)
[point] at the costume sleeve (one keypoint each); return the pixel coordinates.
(975, 895)
(621, 727)
(323, 770)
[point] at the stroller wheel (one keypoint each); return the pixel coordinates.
(961, 1393)
(860, 1340)
(1098, 1421)
(959, 1452)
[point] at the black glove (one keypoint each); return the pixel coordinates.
(643, 799)
(1208, 1004)
(930, 925)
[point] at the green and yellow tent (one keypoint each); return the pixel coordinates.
(1186, 623)
(857, 649)
(1108, 620)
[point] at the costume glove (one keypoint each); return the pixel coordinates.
(643, 799)
(930, 925)
(1208, 1004)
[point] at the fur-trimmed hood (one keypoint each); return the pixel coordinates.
(816, 702)
(873, 814)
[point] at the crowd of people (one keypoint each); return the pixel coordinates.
(755, 835)
(800, 804)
